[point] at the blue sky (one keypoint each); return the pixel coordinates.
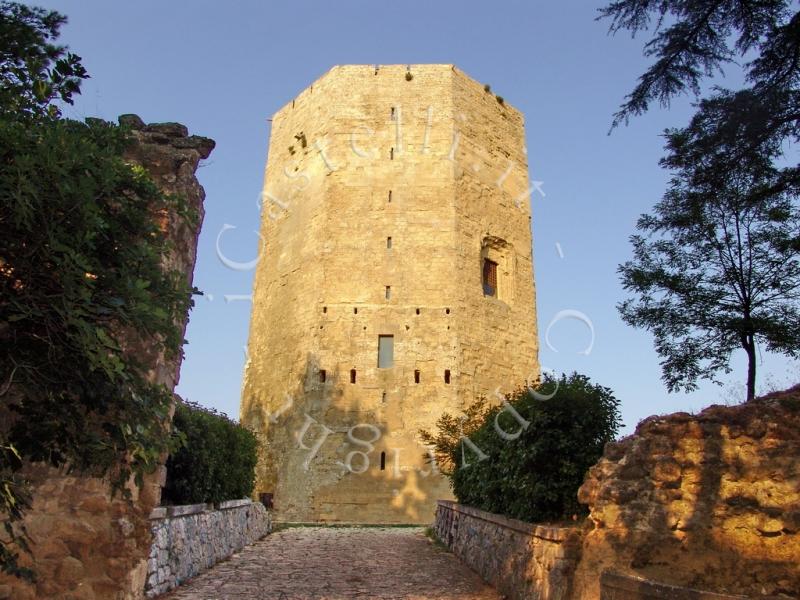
(224, 68)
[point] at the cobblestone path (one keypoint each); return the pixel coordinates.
(338, 563)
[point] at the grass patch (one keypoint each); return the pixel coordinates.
(430, 533)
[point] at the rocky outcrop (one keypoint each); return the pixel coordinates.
(710, 501)
(85, 543)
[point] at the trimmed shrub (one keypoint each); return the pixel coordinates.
(533, 472)
(216, 460)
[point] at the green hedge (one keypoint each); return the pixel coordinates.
(536, 476)
(216, 460)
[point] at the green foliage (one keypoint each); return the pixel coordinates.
(695, 39)
(409, 76)
(501, 100)
(33, 71)
(532, 471)
(216, 461)
(85, 301)
(450, 429)
(14, 499)
(80, 254)
(716, 268)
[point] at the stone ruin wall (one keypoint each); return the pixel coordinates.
(708, 501)
(85, 544)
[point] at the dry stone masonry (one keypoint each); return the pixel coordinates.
(392, 194)
(190, 539)
(520, 559)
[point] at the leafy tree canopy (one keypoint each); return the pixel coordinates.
(695, 39)
(34, 72)
(717, 266)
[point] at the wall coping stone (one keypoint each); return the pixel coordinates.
(188, 509)
(234, 503)
(162, 512)
(159, 512)
(552, 533)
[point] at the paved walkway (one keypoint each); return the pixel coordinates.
(337, 563)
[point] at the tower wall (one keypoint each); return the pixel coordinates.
(361, 156)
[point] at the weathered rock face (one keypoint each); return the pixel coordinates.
(87, 545)
(387, 196)
(710, 501)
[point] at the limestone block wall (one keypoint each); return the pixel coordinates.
(521, 560)
(85, 544)
(382, 189)
(708, 501)
(190, 539)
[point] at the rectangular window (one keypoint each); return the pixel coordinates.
(388, 292)
(388, 242)
(322, 375)
(489, 277)
(385, 351)
(447, 375)
(416, 376)
(352, 375)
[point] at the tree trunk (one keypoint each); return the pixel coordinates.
(750, 348)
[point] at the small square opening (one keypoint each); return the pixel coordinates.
(385, 351)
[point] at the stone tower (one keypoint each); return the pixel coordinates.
(394, 283)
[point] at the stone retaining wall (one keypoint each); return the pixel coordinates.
(189, 539)
(520, 559)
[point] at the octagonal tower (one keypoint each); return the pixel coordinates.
(395, 283)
